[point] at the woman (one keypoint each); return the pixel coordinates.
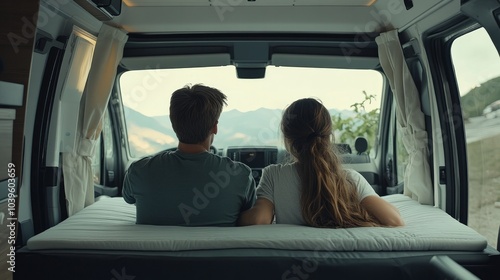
(315, 190)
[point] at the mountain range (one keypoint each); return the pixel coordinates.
(148, 135)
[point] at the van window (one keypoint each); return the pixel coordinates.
(108, 138)
(255, 106)
(477, 67)
(101, 157)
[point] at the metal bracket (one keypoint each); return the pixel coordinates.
(44, 42)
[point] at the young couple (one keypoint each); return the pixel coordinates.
(193, 187)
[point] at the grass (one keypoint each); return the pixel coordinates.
(484, 187)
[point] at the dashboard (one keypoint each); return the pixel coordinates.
(258, 157)
(254, 157)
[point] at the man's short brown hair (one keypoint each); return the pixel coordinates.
(194, 111)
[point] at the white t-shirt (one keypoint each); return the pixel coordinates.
(280, 184)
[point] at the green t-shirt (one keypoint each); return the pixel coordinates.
(175, 188)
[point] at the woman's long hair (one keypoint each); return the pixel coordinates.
(328, 197)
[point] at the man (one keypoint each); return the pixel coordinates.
(190, 186)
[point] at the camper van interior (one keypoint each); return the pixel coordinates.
(85, 87)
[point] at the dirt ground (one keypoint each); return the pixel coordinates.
(484, 187)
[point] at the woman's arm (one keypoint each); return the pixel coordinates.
(383, 211)
(260, 214)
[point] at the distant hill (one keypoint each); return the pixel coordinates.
(161, 123)
(148, 135)
(478, 98)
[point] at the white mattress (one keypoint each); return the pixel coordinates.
(109, 224)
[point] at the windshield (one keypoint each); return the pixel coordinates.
(255, 106)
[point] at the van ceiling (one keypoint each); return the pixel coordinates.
(255, 51)
(162, 3)
(298, 16)
(309, 33)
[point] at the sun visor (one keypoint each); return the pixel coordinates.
(175, 61)
(325, 61)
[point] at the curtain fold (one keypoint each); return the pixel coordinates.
(77, 165)
(410, 119)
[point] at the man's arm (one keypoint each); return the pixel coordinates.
(127, 187)
(261, 213)
(250, 193)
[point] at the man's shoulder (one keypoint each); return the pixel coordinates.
(146, 162)
(235, 167)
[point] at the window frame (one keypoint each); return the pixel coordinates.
(375, 146)
(438, 44)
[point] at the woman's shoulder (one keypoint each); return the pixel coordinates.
(279, 177)
(363, 187)
(280, 167)
(356, 177)
(353, 174)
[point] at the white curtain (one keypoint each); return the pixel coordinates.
(77, 165)
(417, 178)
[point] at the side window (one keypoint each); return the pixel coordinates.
(477, 69)
(396, 158)
(106, 156)
(109, 153)
(108, 138)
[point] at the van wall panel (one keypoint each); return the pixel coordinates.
(17, 31)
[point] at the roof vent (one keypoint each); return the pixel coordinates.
(408, 4)
(113, 7)
(102, 10)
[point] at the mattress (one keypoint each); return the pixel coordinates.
(109, 224)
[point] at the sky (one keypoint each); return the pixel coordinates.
(475, 59)
(474, 56)
(149, 92)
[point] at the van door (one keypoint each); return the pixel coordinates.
(466, 73)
